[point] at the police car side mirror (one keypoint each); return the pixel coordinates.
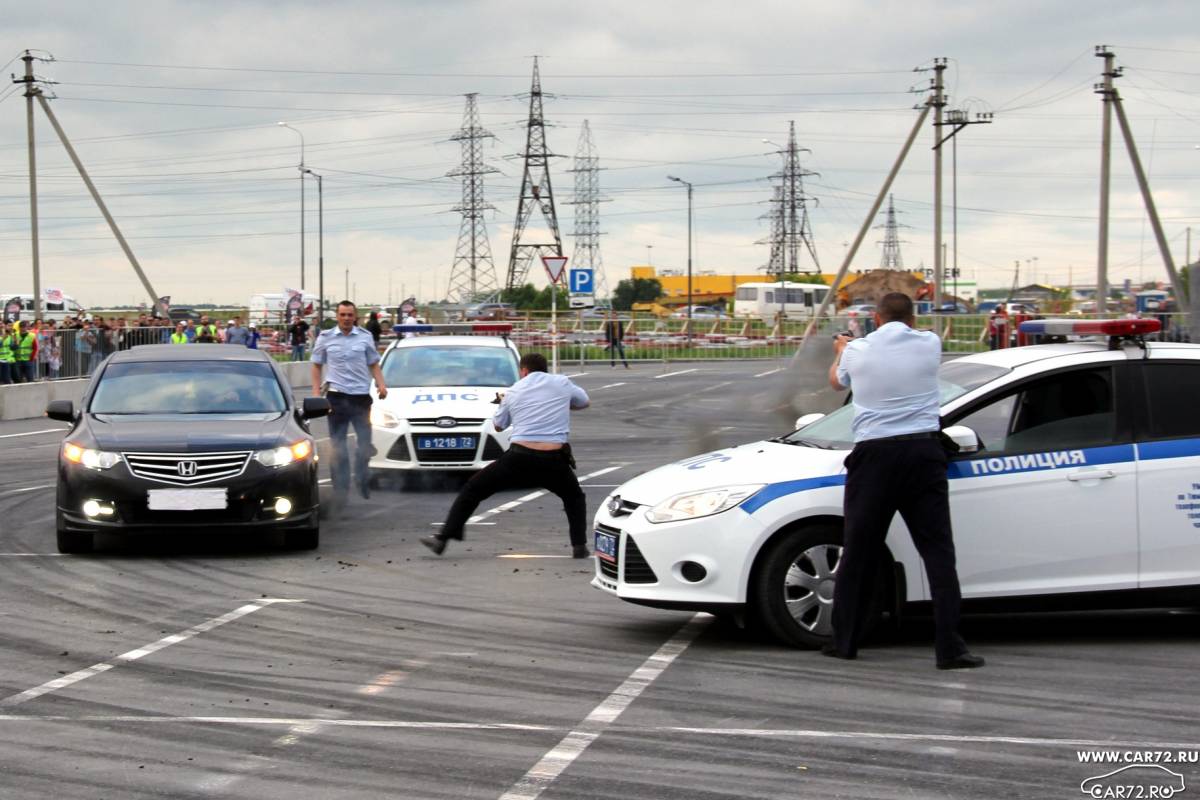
(314, 407)
(62, 410)
(807, 419)
(966, 439)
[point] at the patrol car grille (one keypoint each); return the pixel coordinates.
(609, 570)
(187, 469)
(432, 421)
(637, 570)
(399, 450)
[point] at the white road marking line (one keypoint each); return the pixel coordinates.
(141, 652)
(546, 771)
(27, 489)
(33, 433)
(529, 555)
(714, 386)
(609, 386)
(324, 481)
(290, 722)
(500, 509)
(680, 372)
(468, 522)
(931, 737)
(770, 372)
(30, 555)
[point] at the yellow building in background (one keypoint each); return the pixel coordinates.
(707, 288)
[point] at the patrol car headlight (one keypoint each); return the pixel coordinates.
(382, 418)
(282, 456)
(701, 504)
(92, 459)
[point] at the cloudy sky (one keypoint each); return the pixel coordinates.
(173, 107)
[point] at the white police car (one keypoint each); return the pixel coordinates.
(438, 412)
(1078, 481)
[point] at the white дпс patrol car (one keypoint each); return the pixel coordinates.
(438, 412)
(1078, 481)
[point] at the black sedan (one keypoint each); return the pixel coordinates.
(198, 437)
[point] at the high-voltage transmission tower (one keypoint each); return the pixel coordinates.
(891, 258)
(536, 194)
(473, 274)
(790, 227)
(587, 210)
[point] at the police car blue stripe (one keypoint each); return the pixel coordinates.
(1176, 448)
(1034, 462)
(775, 491)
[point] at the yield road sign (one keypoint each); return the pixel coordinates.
(554, 267)
(581, 280)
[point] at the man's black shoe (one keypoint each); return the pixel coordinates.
(832, 651)
(580, 551)
(364, 489)
(435, 543)
(964, 661)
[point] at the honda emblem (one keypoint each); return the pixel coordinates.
(186, 469)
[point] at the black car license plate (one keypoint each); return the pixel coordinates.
(446, 442)
(606, 546)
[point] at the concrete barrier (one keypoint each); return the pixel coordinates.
(29, 400)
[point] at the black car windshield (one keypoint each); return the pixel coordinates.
(450, 365)
(188, 387)
(833, 431)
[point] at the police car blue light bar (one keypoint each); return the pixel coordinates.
(456, 327)
(1090, 327)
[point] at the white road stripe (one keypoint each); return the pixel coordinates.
(33, 433)
(30, 555)
(546, 771)
(934, 737)
(609, 386)
(680, 372)
(522, 556)
(288, 721)
(500, 509)
(770, 372)
(27, 489)
(141, 652)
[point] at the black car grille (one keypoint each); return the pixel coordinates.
(637, 570)
(187, 469)
(399, 450)
(432, 421)
(492, 449)
(609, 568)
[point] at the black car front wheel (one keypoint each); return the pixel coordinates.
(72, 541)
(303, 539)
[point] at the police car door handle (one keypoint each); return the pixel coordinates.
(1091, 475)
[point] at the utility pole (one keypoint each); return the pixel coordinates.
(1105, 90)
(939, 103)
(321, 249)
(587, 200)
(30, 92)
(956, 119)
(472, 273)
(689, 253)
(536, 192)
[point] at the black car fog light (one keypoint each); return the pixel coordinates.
(283, 506)
(95, 508)
(692, 572)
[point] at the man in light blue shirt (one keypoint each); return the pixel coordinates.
(348, 354)
(898, 464)
(538, 408)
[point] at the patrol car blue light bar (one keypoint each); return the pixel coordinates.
(456, 327)
(1090, 327)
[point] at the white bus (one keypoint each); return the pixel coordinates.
(270, 308)
(766, 300)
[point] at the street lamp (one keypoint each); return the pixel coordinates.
(689, 251)
(320, 245)
(301, 169)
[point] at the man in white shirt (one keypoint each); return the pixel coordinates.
(538, 407)
(898, 464)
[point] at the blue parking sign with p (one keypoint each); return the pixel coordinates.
(581, 280)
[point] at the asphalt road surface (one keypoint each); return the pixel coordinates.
(195, 666)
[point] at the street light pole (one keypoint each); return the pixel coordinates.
(301, 168)
(689, 251)
(320, 246)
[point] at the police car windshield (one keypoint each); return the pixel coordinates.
(450, 365)
(833, 431)
(188, 387)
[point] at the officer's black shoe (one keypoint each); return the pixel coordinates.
(364, 489)
(435, 543)
(580, 551)
(832, 651)
(964, 661)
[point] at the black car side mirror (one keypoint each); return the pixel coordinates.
(313, 407)
(63, 410)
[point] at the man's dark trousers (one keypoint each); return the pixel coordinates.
(347, 410)
(522, 468)
(883, 477)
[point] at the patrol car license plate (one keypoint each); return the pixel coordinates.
(187, 499)
(606, 546)
(446, 442)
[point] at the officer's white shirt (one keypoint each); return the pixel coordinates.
(893, 374)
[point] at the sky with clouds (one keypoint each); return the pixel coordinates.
(174, 106)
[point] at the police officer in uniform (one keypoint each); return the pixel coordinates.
(348, 354)
(538, 407)
(898, 464)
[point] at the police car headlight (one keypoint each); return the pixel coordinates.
(701, 504)
(92, 459)
(382, 418)
(282, 456)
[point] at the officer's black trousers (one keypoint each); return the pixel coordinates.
(522, 468)
(883, 477)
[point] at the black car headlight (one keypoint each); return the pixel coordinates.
(287, 454)
(86, 457)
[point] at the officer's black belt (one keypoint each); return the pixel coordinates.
(906, 436)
